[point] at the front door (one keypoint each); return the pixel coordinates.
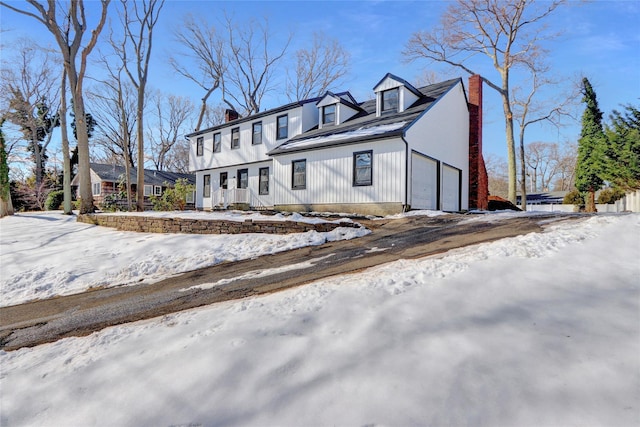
(223, 180)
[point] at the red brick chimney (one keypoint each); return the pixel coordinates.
(230, 115)
(478, 180)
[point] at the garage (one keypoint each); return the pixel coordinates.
(451, 188)
(424, 182)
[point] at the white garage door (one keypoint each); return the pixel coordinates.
(450, 188)
(424, 182)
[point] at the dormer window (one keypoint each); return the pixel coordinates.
(329, 114)
(390, 101)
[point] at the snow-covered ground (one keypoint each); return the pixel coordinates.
(47, 254)
(537, 330)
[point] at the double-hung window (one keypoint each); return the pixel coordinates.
(243, 178)
(263, 185)
(283, 127)
(329, 115)
(206, 187)
(148, 190)
(363, 168)
(200, 146)
(390, 101)
(157, 190)
(299, 178)
(235, 138)
(256, 137)
(217, 139)
(95, 187)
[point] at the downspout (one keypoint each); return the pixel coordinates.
(406, 173)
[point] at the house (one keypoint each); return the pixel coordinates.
(106, 179)
(408, 148)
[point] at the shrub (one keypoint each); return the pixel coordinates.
(54, 200)
(173, 198)
(610, 195)
(573, 198)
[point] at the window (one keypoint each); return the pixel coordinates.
(190, 197)
(329, 115)
(148, 190)
(299, 180)
(263, 184)
(235, 137)
(216, 142)
(362, 162)
(223, 180)
(283, 127)
(243, 178)
(157, 190)
(95, 187)
(200, 146)
(206, 187)
(256, 137)
(390, 101)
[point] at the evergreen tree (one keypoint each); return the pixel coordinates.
(6, 208)
(624, 148)
(591, 168)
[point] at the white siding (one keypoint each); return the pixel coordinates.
(330, 175)
(247, 152)
(442, 132)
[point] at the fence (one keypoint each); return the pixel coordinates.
(629, 203)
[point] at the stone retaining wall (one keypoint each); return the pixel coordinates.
(203, 226)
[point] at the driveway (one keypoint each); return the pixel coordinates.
(48, 320)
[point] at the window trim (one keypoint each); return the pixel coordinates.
(205, 193)
(324, 114)
(396, 109)
(147, 190)
(217, 147)
(253, 133)
(157, 190)
(235, 131)
(355, 169)
(286, 128)
(293, 174)
(239, 180)
(200, 146)
(260, 192)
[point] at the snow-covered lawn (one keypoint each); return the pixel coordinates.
(537, 330)
(47, 254)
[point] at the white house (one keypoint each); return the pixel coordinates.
(406, 149)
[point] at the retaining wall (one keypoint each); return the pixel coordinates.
(202, 226)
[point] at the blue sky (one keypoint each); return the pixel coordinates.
(600, 40)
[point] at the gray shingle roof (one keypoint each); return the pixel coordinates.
(365, 126)
(113, 173)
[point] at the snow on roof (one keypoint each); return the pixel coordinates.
(360, 133)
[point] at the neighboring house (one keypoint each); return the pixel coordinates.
(106, 179)
(406, 149)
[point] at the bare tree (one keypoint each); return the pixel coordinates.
(6, 207)
(251, 63)
(506, 33)
(66, 160)
(172, 115)
(566, 175)
(31, 93)
(68, 28)
(318, 68)
(497, 174)
(138, 20)
(203, 45)
(528, 110)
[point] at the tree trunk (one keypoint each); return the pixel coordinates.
(591, 201)
(140, 180)
(523, 174)
(6, 207)
(66, 161)
(511, 146)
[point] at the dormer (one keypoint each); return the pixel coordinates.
(394, 95)
(334, 109)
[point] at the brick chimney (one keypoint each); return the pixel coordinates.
(478, 180)
(230, 115)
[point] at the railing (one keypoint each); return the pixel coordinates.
(222, 198)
